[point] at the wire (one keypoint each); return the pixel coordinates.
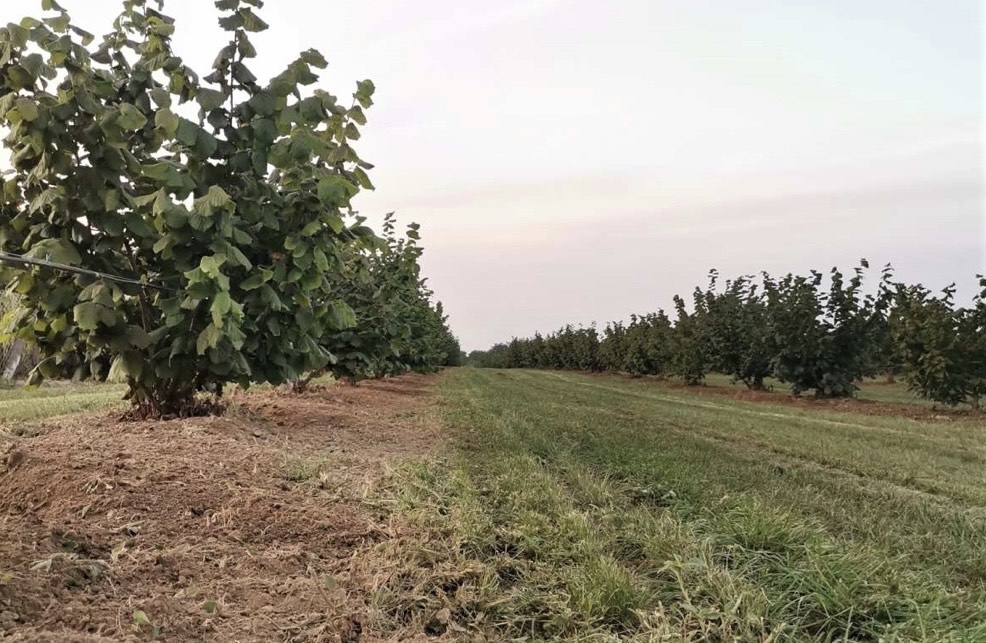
(29, 261)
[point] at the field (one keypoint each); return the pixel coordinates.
(495, 505)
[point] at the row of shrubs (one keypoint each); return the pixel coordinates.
(815, 333)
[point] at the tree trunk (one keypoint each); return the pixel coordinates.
(300, 385)
(13, 360)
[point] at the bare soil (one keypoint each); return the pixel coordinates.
(843, 405)
(248, 527)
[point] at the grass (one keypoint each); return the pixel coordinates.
(21, 404)
(603, 509)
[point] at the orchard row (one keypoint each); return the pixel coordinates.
(810, 332)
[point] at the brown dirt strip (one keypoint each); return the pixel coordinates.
(249, 527)
(841, 405)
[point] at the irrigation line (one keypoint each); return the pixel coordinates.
(21, 260)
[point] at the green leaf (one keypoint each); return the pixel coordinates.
(164, 172)
(59, 324)
(335, 222)
(58, 23)
(27, 108)
(187, 132)
(341, 316)
(55, 250)
(86, 315)
(138, 337)
(161, 244)
(314, 58)
(237, 257)
(138, 226)
(19, 78)
(284, 83)
(312, 110)
(18, 35)
(263, 103)
(364, 93)
(205, 144)
(245, 47)
(256, 280)
(86, 37)
(126, 365)
(167, 121)
(209, 99)
(111, 200)
(218, 198)
(242, 74)
(131, 118)
(209, 265)
(356, 113)
(336, 191)
(160, 96)
(208, 338)
(252, 22)
(231, 22)
(264, 130)
(221, 305)
(363, 178)
(321, 261)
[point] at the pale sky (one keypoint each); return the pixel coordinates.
(579, 160)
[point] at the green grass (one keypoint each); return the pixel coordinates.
(22, 404)
(587, 508)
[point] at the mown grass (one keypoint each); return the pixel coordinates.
(22, 404)
(580, 508)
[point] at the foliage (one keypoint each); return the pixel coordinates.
(688, 345)
(569, 348)
(394, 327)
(941, 348)
(735, 330)
(641, 347)
(226, 199)
(820, 341)
(814, 334)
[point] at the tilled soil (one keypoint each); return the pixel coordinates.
(246, 527)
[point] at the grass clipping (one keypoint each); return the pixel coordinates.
(515, 549)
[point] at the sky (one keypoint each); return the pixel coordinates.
(573, 161)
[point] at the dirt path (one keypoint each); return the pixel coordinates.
(808, 402)
(241, 528)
